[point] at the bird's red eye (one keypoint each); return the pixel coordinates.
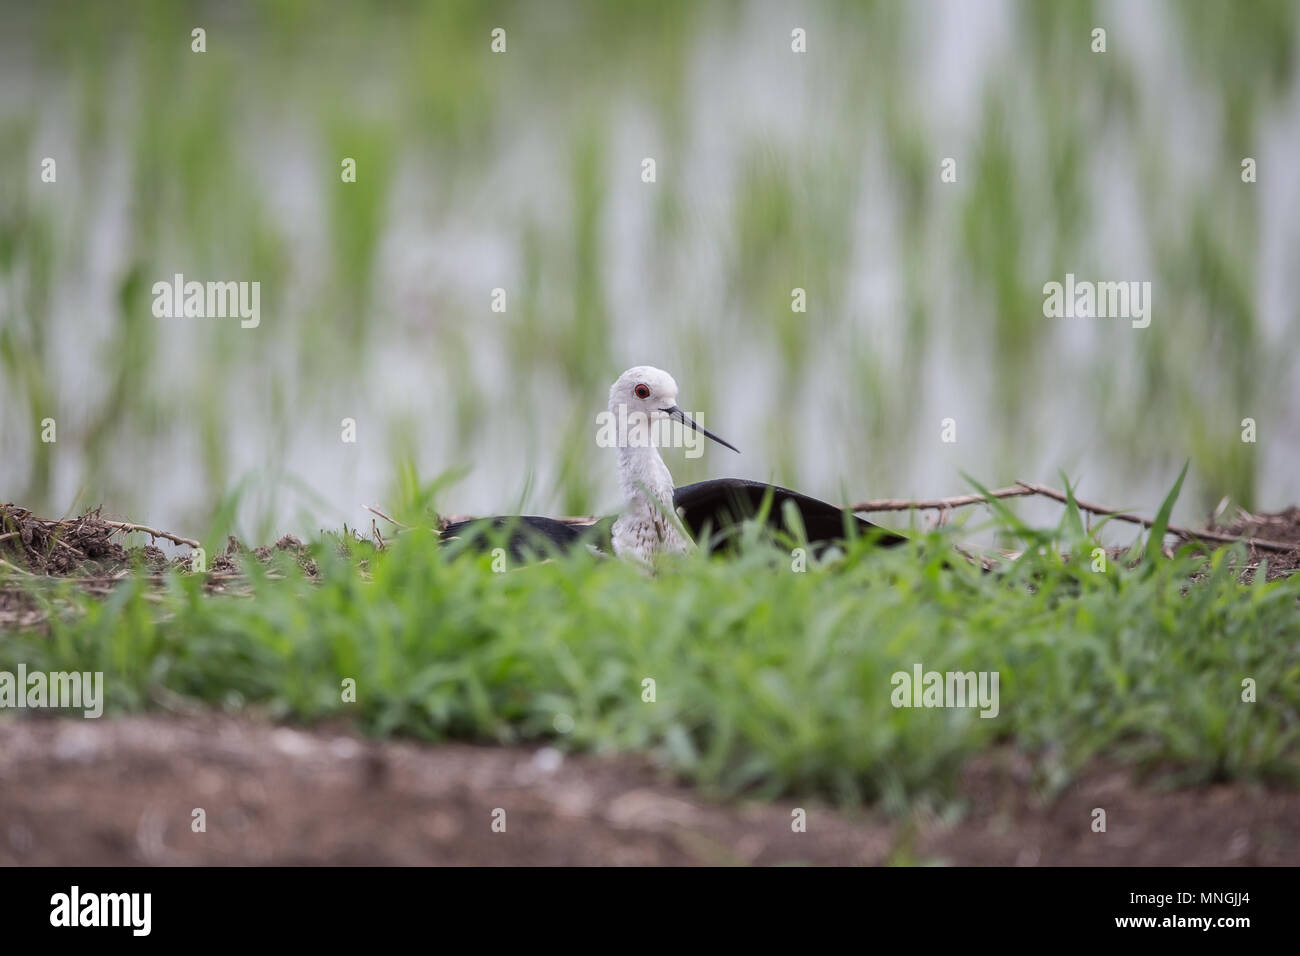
(642, 391)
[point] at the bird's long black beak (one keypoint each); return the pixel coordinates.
(681, 416)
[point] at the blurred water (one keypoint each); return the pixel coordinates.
(775, 170)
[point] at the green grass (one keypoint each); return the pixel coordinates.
(767, 681)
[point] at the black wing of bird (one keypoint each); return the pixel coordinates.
(521, 534)
(722, 503)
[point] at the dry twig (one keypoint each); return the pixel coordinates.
(1260, 543)
(1026, 488)
(958, 501)
(152, 532)
(393, 521)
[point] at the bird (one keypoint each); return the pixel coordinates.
(659, 518)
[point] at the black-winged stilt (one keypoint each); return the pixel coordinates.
(642, 399)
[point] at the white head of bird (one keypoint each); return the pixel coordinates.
(642, 401)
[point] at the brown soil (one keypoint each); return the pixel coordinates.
(37, 551)
(1283, 527)
(122, 791)
(84, 548)
(81, 546)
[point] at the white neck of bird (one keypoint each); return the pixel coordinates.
(641, 470)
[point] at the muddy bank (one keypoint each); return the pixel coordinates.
(124, 791)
